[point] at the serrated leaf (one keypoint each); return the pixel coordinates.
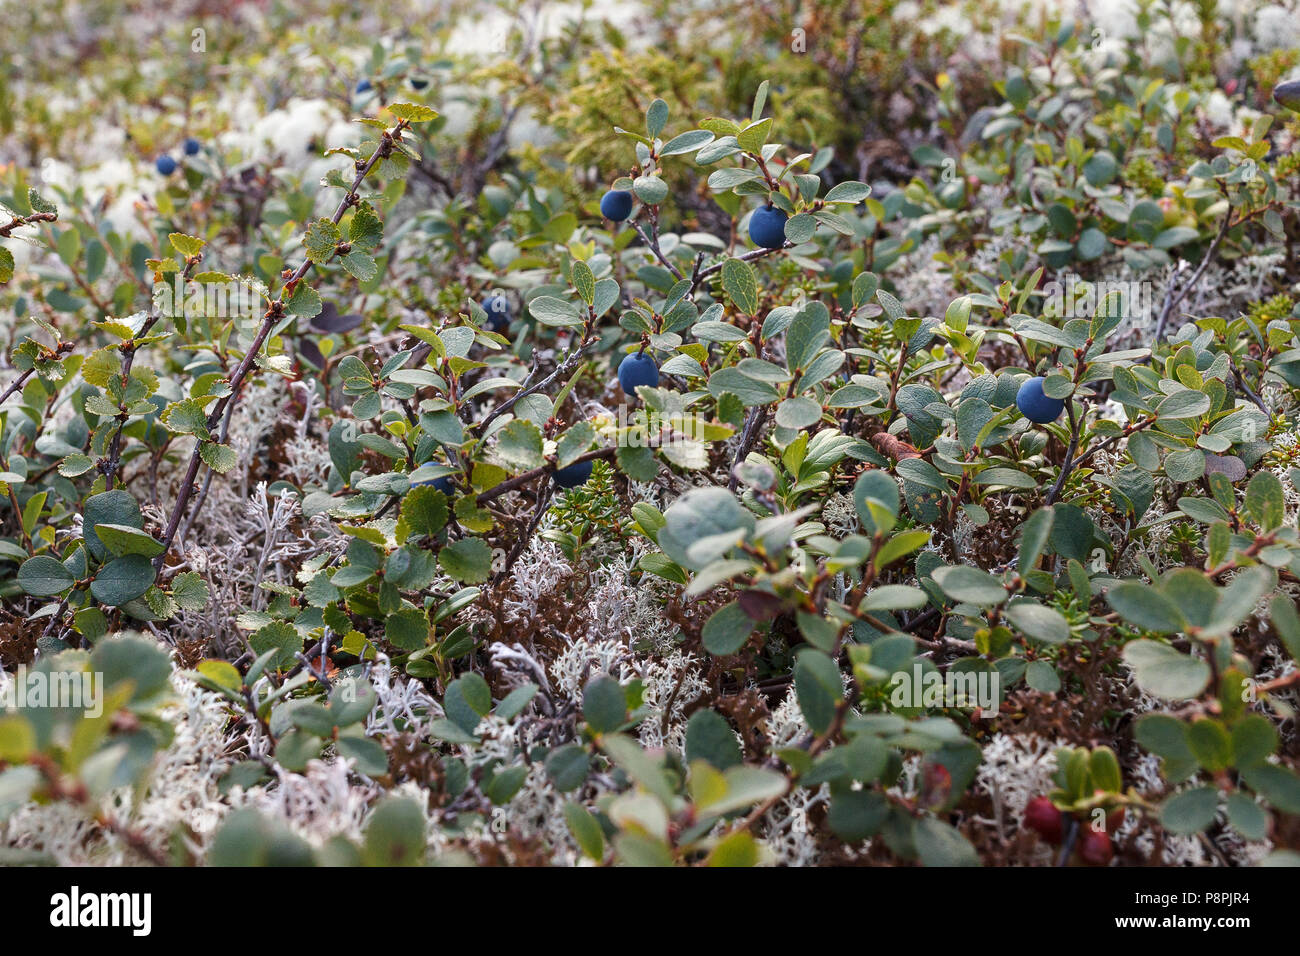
(186, 417)
(279, 637)
(189, 591)
(412, 112)
(361, 266)
(220, 458)
(186, 245)
(320, 240)
(366, 229)
(305, 301)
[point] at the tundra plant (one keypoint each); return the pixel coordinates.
(716, 507)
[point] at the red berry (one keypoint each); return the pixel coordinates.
(1095, 847)
(1043, 818)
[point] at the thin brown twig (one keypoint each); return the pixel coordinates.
(273, 315)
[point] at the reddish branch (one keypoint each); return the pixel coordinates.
(17, 221)
(62, 349)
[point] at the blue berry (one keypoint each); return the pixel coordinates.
(418, 82)
(1036, 406)
(192, 146)
(497, 308)
(363, 86)
(1288, 94)
(574, 475)
(767, 227)
(443, 483)
(165, 165)
(637, 369)
(616, 205)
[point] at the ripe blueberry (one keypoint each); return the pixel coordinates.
(574, 475)
(363, 86)
(616, 205)
(418, 82)
(165, 165)
(1042, 816)
(1288, 94)
(497, 308)
(1036, 406)
(767, 227)
(443, 484)
(192, 146)
(1095, 847)
(637, 369)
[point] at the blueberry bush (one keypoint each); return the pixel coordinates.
(654, 434)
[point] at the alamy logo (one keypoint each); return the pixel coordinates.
(649, 428)
(78, 690)
(1077, 298)
(76, 909)
(918, 688)
(213, 300)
